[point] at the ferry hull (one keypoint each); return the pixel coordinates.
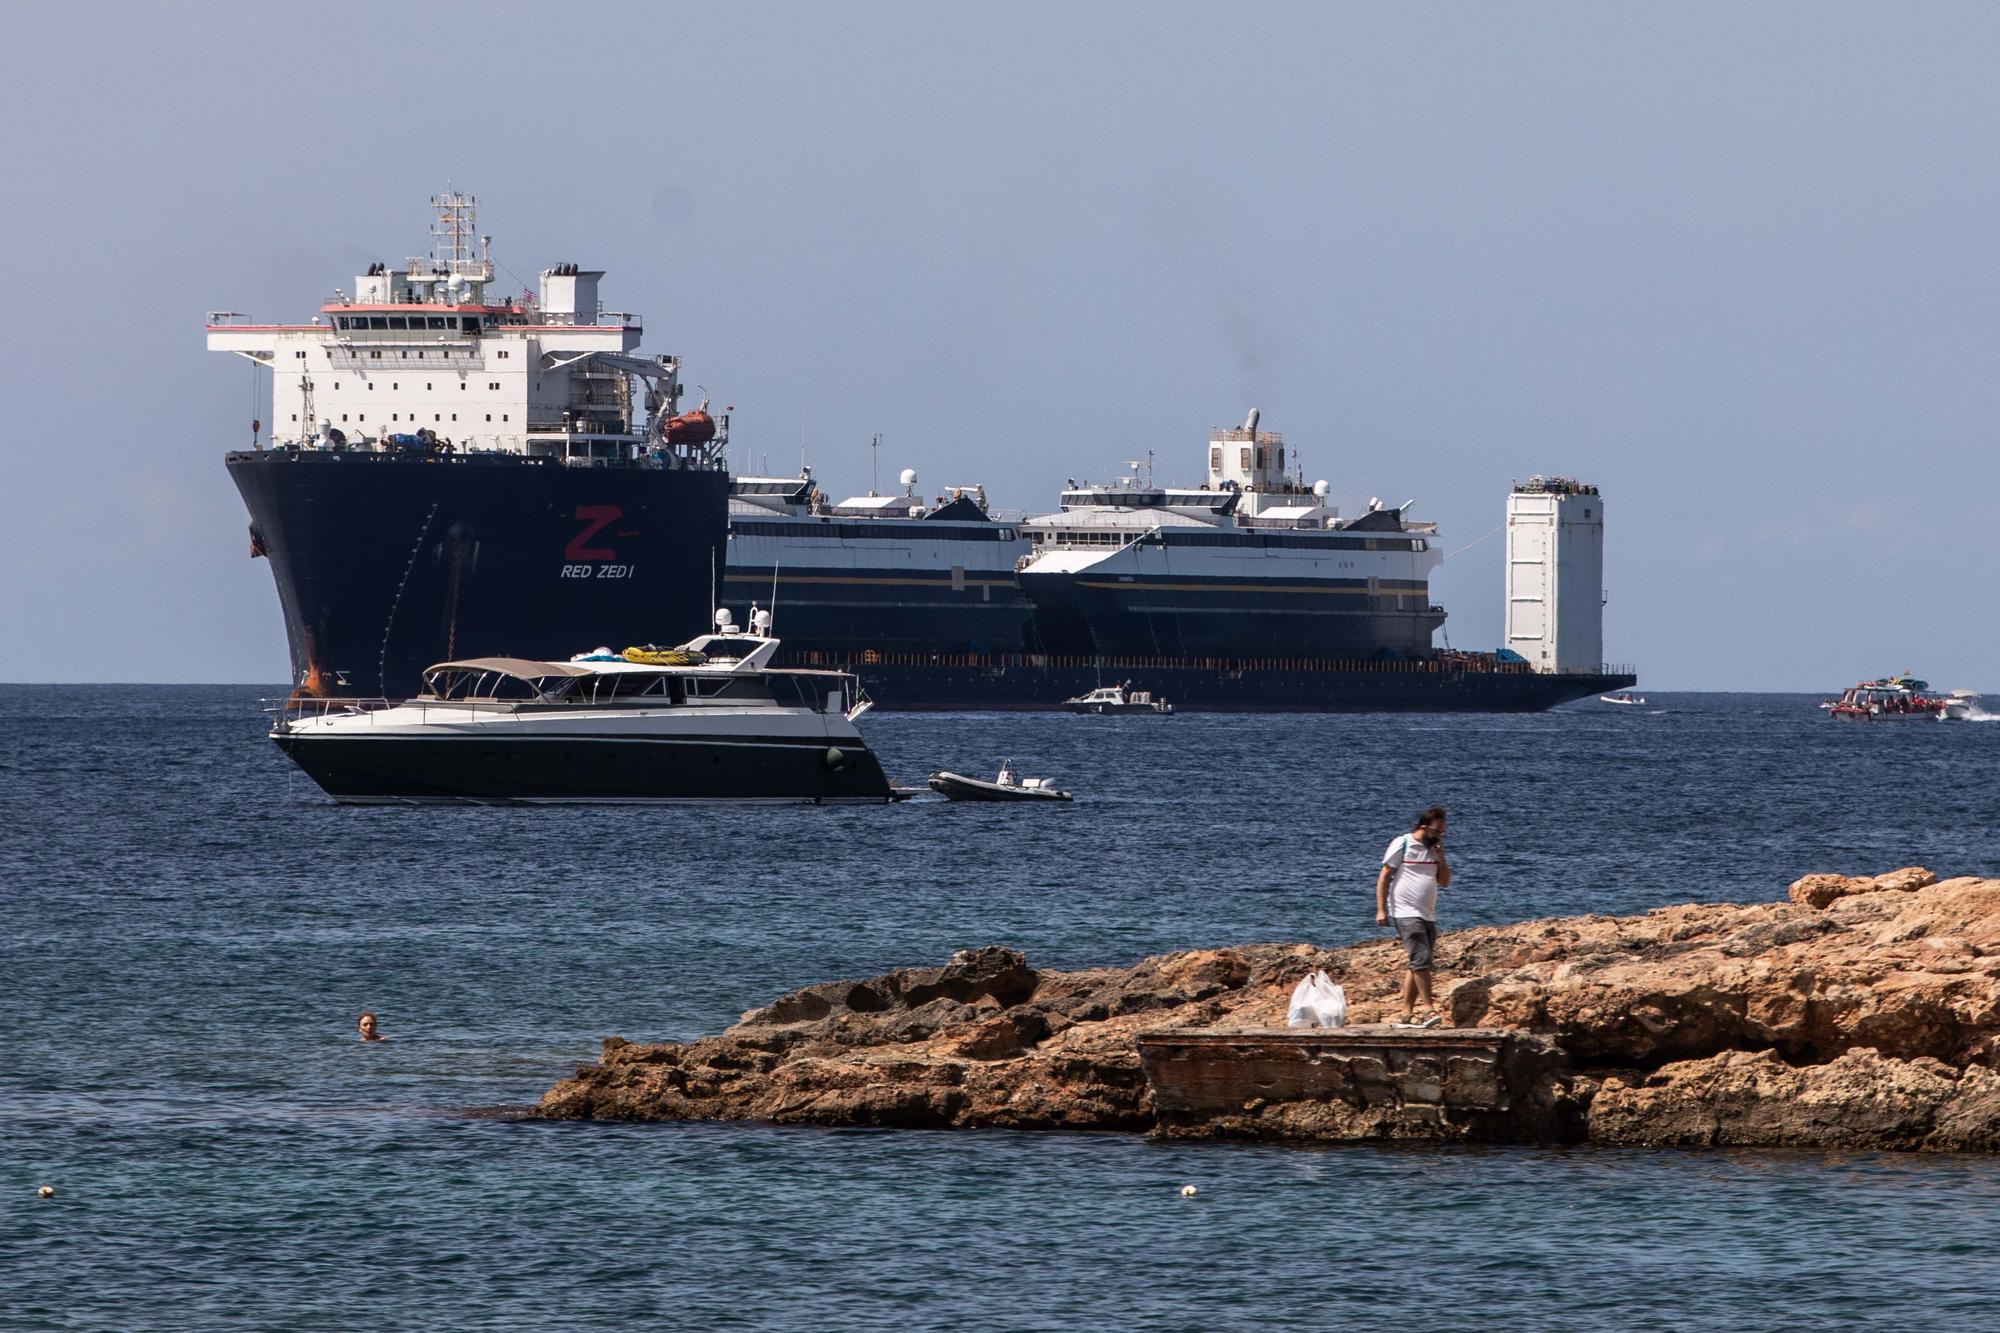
(483, 770)
(1262, 618)
(386, 564)
(885, 609)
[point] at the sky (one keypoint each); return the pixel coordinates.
(1735, 264)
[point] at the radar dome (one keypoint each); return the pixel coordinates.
(909, 476)
(1320, 488)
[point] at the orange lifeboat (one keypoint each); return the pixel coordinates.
(696, 427)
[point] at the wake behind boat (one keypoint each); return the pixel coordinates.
(707, 721)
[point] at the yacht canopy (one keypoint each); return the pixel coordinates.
(520, 668)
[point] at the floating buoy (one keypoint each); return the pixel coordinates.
(1189, 1191)
(46, 1192)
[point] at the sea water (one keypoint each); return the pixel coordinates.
(191, 930)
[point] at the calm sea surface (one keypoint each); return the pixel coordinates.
(190, 932)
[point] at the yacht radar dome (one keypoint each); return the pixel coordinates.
(1320, 488)
(909, 479)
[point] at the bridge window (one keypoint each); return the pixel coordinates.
(398, 322)
(435, 321)
(340, 321)
(377, 322)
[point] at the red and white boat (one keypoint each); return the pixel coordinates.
(1895, 698)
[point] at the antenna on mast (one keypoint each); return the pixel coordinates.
(874, 462)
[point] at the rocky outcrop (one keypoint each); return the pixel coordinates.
(985, 1040)
(1861, 1012)
(1819, 890)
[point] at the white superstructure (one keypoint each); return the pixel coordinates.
(1555, 574)
(427, 355)
(1253, 562)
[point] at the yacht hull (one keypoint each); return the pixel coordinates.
(483, 770)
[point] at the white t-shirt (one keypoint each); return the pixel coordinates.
(1414, 890)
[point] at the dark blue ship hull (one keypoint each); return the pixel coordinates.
(388, 563)
(1031, 681)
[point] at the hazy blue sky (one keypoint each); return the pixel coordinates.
(1737, 264)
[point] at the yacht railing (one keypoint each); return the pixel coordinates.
(283, 712)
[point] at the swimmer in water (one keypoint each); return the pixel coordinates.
(366, 1026)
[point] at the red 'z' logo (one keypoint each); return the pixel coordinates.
(599, 517)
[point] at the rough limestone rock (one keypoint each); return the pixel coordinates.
(1860, 1100)
(1860, 1013)
(1819, 890)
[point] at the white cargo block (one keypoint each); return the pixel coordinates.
(1555, 574)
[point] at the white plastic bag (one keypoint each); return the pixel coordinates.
(1317, 1003)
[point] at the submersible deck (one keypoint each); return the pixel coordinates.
(1369, 1081)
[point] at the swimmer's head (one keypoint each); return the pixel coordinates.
(366, 1026)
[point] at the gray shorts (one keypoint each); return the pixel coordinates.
(1420, 938)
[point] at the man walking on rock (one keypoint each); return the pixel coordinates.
(1406, 891)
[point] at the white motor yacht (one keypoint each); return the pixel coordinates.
(706, 721)
(1110, 699)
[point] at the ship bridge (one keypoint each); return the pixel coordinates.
(424, 355)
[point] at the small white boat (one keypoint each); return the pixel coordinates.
(1009, 786)
(1107, 699)
(1626, 700)
(1961, 705)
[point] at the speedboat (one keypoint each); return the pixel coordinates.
(708, 720)
(1628, 700)
(1118, 699)
(1961, 705)
(1009, 786)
